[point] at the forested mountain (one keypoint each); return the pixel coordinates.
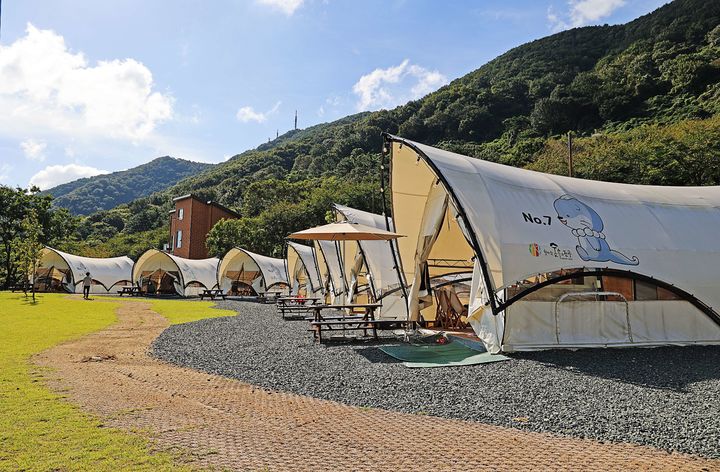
(641, 98)
(102, 192)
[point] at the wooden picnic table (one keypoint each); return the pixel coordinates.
(344, 322)
(295, 305)
(212, 293)
(132, 291)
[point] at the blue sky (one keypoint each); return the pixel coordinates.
(96, 86)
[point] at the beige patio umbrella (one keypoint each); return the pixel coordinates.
(345, 231)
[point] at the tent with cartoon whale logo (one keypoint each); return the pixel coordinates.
(558, 261)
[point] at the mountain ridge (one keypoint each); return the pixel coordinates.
(105, 191)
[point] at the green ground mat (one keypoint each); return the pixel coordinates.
(439, 355)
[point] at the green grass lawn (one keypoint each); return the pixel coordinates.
(38, 429)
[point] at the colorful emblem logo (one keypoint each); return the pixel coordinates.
(535, 250)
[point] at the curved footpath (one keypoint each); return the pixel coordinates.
(219, 422)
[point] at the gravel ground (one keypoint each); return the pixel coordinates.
(664, 397)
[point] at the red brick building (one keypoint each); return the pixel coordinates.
(190, 222)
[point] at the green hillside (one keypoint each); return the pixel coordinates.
(645, 93)
(103, 192)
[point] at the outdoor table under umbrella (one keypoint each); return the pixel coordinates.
(345, 231)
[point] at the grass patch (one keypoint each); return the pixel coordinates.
(185, 311)
(40, 431)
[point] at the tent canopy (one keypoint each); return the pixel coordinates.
(381, 261)
(107, 272)
(192, 272)
(302, 258)
(330, 255)
(272, 270)
(526, 230)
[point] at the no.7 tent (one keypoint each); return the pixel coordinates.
(559, 261)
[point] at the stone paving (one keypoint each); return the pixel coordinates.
(218, 422)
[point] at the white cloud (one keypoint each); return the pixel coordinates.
(582, 12)
(385, 88)
(4, 172)
(33, 150)
(49, 89)
(51, 176)
(247, 114)
(288, 7)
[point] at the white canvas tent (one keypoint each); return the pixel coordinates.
(380, 262)
(330, 263)
(558, 261)
(302, 269)
(167, 273)
(246, 273)
(62, 271)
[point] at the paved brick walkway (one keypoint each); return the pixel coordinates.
(224, 423)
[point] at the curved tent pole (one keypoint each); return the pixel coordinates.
(585, 272)
(461, 212)
(393, 244)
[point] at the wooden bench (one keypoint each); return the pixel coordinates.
(295, 305)
(212, 293)
(344, 322)
(132, 291)
(21, 288)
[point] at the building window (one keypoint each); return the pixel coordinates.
(181, 213)
(178, 241)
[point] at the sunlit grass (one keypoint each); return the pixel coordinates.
(38, 429)
(185, 311)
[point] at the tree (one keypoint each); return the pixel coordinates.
(28, 247)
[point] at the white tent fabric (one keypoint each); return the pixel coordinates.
(332, 256)
(273, 270)
(195, 274)
(107, 273)
(306, 256)
(380, 261)
(523, 225)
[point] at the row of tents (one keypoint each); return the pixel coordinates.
(540, 261)
(337, 271)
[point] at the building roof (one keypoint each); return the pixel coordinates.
(209, 202)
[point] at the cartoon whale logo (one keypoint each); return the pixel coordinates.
(588, 227)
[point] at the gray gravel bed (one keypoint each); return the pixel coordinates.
(664, 397)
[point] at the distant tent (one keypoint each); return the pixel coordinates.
(303, 274)
(379, 262)
(242, 272)
(60, 271)
(159, 272)
(559, 261)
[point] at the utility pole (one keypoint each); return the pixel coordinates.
(277, 133)
(296, 120)
(570, 155)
